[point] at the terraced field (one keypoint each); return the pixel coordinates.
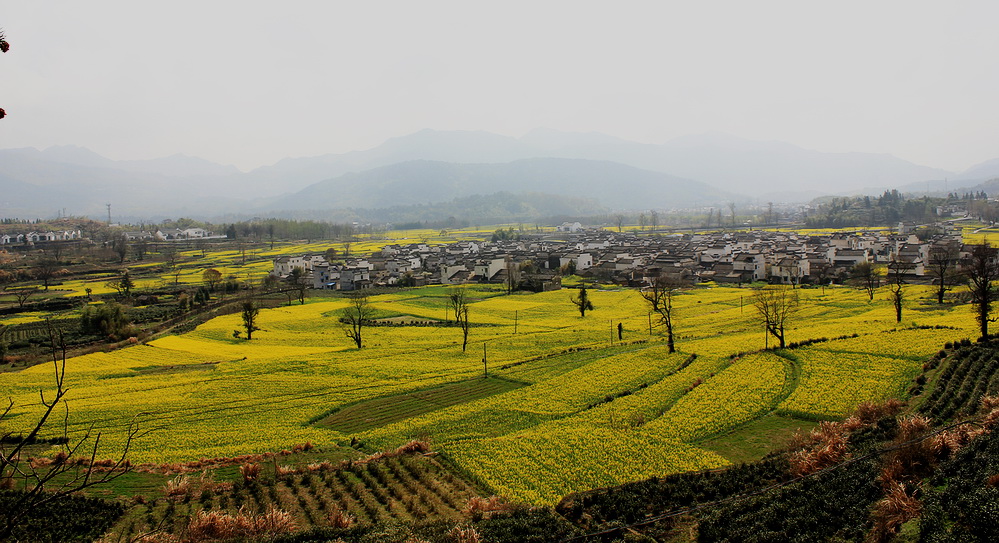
(567, 406)
(403, 488)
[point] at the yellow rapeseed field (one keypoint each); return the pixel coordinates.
(593, 409)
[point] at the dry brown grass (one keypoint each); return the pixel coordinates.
(824, 446)
(179, 486)
(871, 412)
(414, 447)
(478, 508)
(897, 507)
(202, 464)
(217, 525)
(464, 534)
(910, 461)
(184, 485)
(249, 472)
(947, 443)
(339, 518)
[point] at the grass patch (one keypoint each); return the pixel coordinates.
(377, 412)
(159, 370)
(753, 440)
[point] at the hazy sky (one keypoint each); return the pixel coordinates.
(248, 82)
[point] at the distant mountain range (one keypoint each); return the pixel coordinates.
(614, 185)
(430, 167)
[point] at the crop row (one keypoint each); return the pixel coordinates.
(966, 375)
(401, 488)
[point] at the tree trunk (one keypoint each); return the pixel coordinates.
(983, 318)
(669, 337)
(779, 334)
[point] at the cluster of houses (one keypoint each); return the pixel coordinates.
(171, 234)
(629, 259)
(70, 235)
(38, 237)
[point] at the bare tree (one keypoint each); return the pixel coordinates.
(896, 283)
(123, 284)
(943, 259)
(653, 219)
(731, 209)
(22, 295)
(353, 317)
(866, 276)
(982, 268)
(297, 279)
(459, 304)
(119, 244)
(659, 296)
(47, 270)
(140, 247)
(821, 271)
(170, 254)
(55, 248)
(249, 315)
(71, 470)
(4, 344)
(512, 275)
(775, 306)
(582, 302)
(619, 222)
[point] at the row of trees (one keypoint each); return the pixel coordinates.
(774, 305)
(889, 208)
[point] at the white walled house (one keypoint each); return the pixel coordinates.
(751, 263)
(284, 264)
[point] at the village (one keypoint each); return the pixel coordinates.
(538, 261)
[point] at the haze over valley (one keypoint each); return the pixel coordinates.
(435, 167)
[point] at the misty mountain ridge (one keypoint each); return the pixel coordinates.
(727, 162)
(724, 166)
(477, 210)
(178, 165)
(614, 185)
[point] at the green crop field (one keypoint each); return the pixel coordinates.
(568, 406)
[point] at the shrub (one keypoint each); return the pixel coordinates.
(338, 518)
(249, 472)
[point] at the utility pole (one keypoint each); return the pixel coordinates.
(515, 319)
